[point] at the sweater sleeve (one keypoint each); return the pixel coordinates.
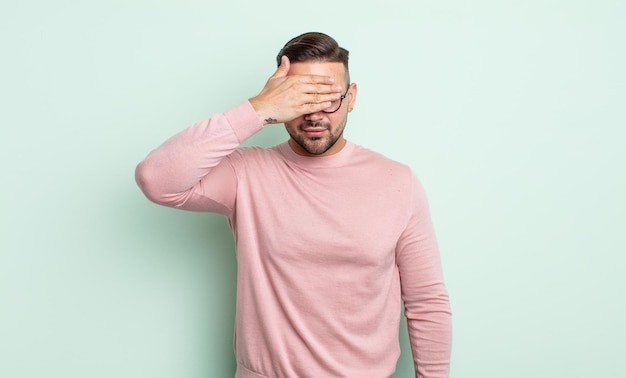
(189, 170)
(425, 297)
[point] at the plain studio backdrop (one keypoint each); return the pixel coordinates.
(512, 113)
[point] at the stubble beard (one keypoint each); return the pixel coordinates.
(317, 145)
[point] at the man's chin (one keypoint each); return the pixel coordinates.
(316, 145)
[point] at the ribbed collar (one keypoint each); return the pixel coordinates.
(329, 161)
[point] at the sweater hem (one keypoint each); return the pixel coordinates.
(243, 372)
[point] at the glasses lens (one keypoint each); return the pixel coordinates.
(334, 106)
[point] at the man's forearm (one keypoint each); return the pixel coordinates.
(170, 172)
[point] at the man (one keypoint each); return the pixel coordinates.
(330, 237)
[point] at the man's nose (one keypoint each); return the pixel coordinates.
(314, 116)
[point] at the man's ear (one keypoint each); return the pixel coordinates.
(352, 96)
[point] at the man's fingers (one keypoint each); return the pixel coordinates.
(321, 88)
(322, 98)
(316, 79)
(314, 107)
(286, 96)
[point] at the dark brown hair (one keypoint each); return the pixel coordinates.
(315, 47)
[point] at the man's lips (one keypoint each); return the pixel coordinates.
(314, 131)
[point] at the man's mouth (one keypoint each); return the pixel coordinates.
(314, 130)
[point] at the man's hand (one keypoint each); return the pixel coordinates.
(287, 97)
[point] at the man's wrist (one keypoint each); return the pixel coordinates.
(264, 118)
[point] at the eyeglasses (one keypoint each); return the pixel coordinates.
(336, 104)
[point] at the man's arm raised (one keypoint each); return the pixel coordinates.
(177, 173)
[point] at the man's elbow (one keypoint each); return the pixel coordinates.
(146, 179)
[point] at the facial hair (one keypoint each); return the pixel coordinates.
(317, 145)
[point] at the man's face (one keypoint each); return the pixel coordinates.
(321, 134)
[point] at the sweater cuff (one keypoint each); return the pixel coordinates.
(243, 120)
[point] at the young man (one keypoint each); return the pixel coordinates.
(330, 237)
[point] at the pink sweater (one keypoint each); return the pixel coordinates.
(327, 248)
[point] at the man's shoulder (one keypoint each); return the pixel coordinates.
(377, 159)
(249, 154)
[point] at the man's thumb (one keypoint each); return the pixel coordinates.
(283, 69)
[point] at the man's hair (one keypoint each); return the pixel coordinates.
(315, 47)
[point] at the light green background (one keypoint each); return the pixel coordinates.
(511, 113)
